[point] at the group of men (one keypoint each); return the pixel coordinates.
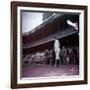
(62, 55)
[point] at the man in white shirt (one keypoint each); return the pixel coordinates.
(57, 51)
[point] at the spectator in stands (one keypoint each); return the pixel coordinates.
(29, 58)
(25, 59)
(57, 51)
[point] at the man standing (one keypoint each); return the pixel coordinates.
(47, 56)
(64, 55)
(57, 51)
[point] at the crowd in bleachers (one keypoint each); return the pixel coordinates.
(67, 56)
(37, 57)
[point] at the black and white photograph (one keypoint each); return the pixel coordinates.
(50, 44)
